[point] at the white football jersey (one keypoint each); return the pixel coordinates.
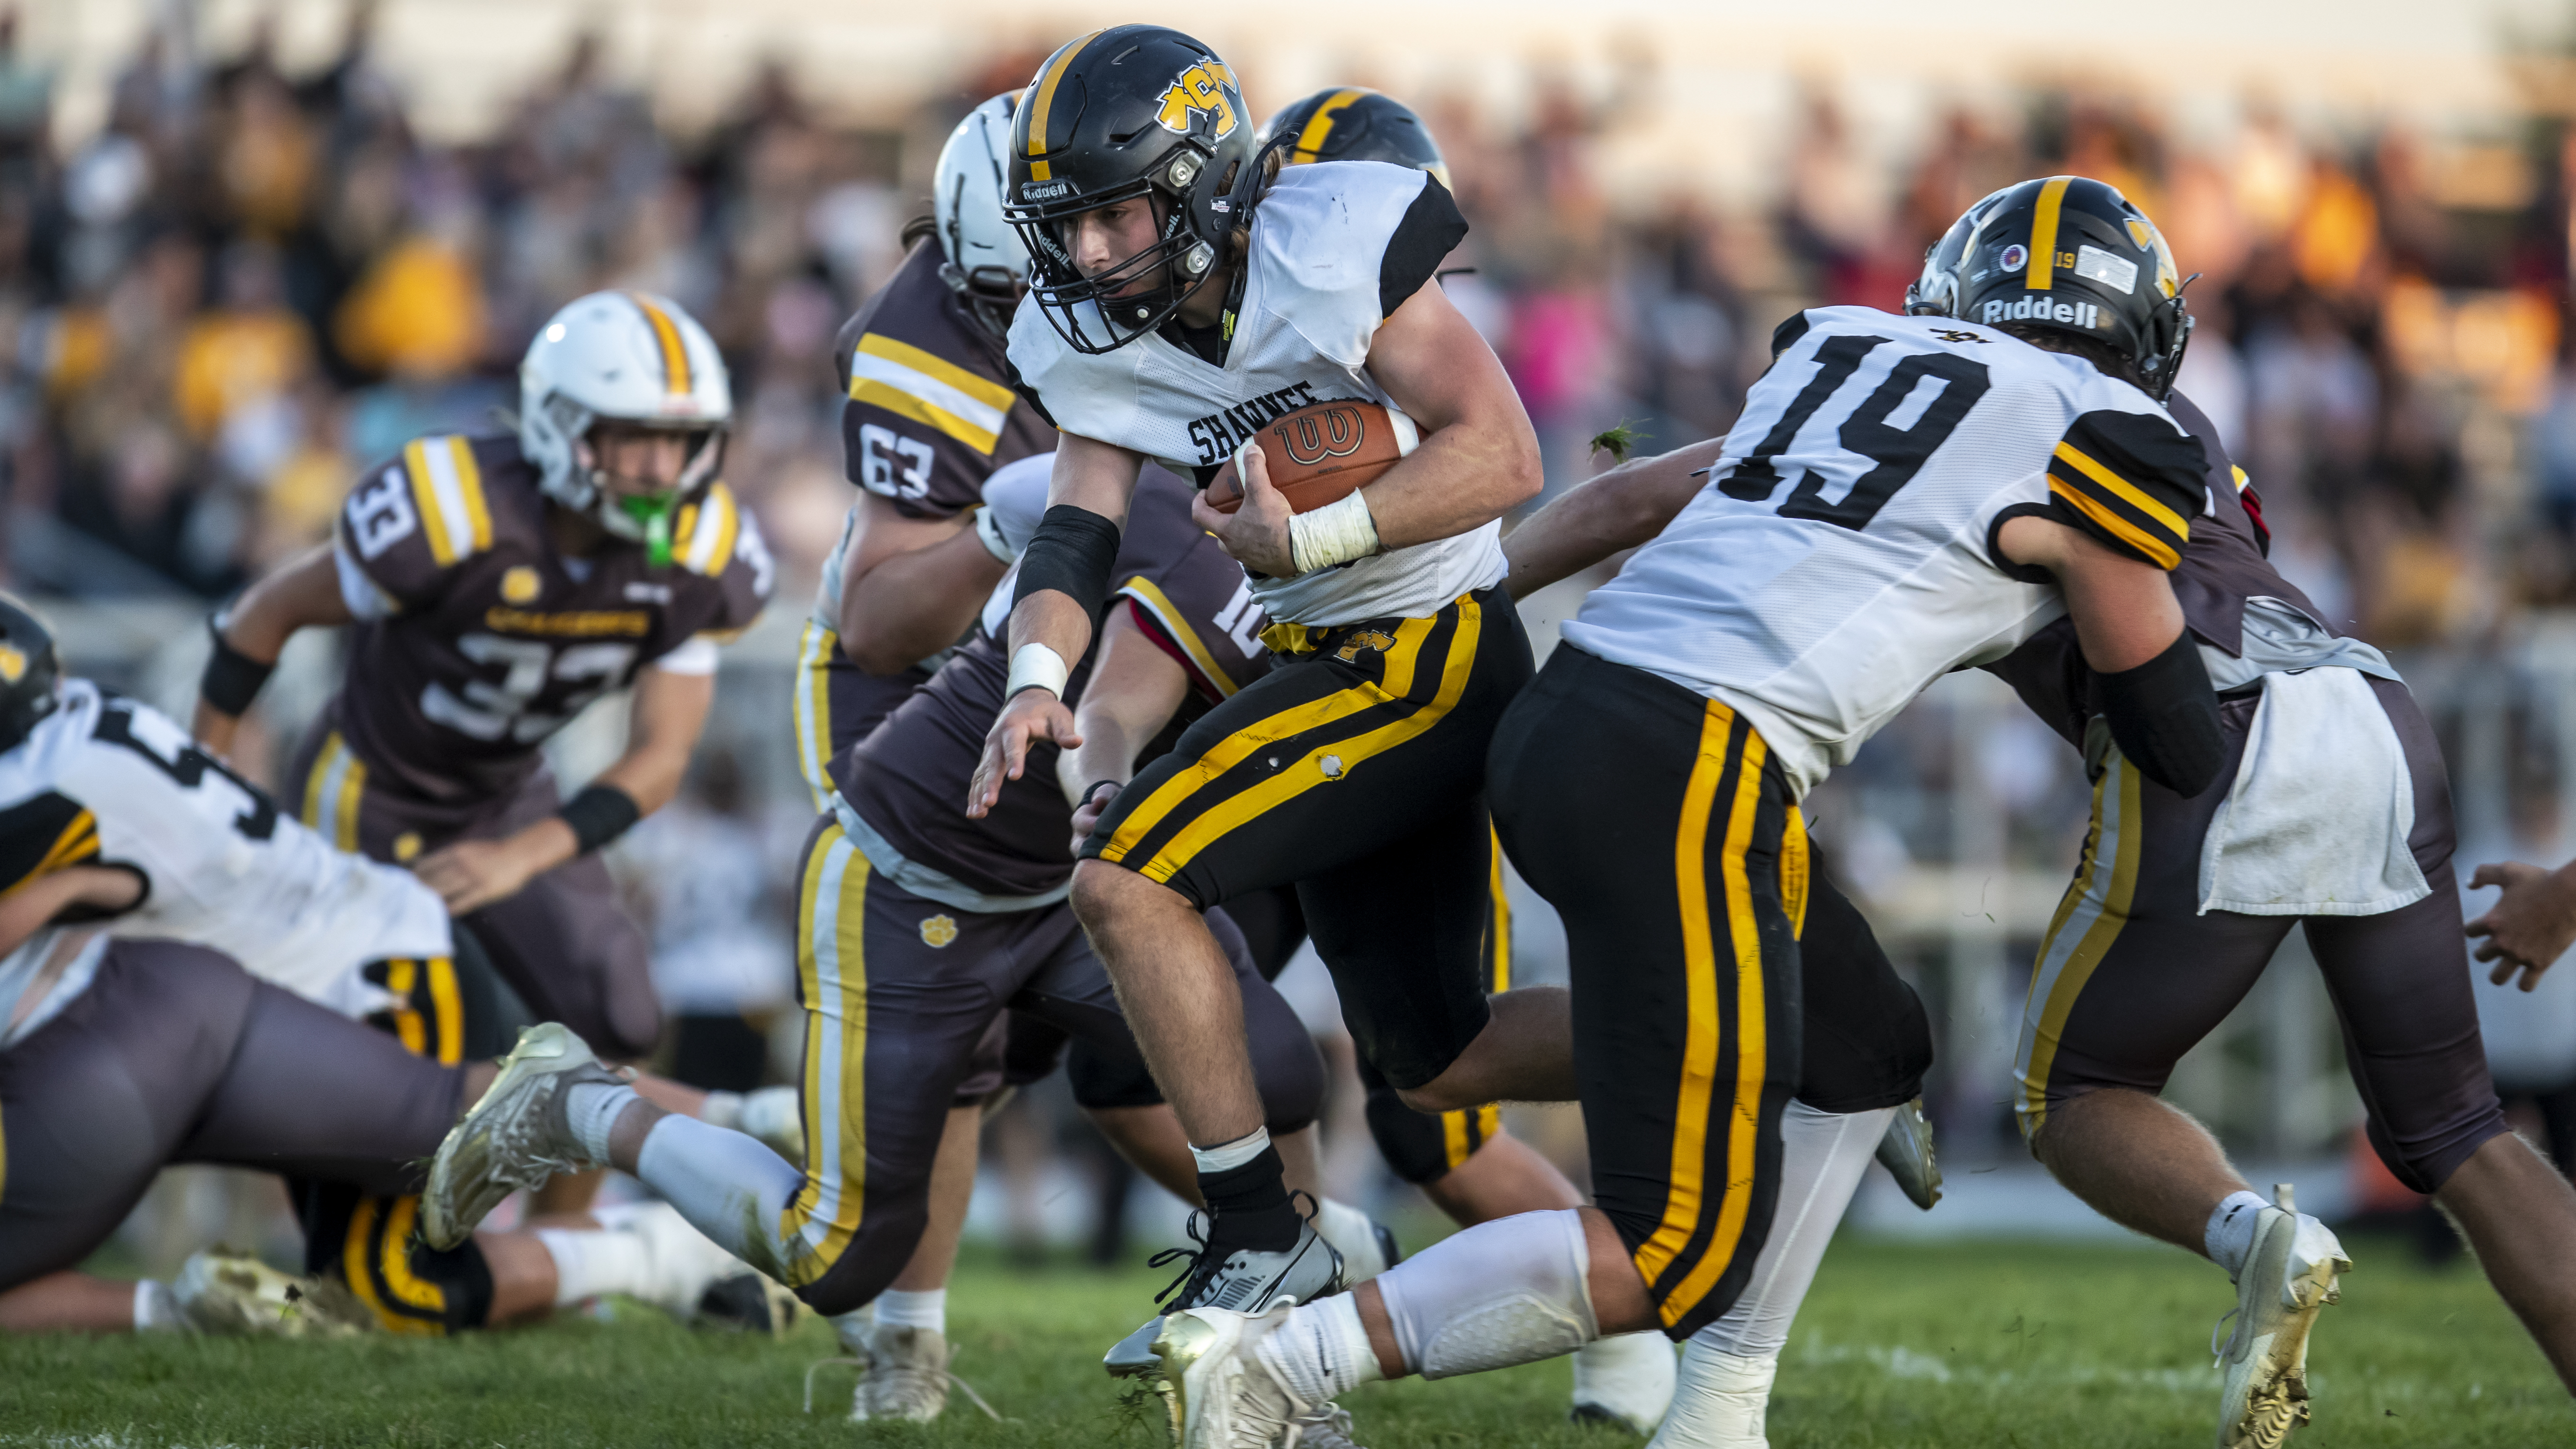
(106, 780)
(1839, 559)
(1302, 335)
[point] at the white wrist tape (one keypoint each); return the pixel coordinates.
(1333, 534)
(988, 532)
(1035, 666)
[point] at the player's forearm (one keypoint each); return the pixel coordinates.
(1461, 478)
(303, 593)
(1618, 510)
(1054, 619)
(913, 605)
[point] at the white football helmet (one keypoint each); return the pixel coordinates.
(987, 263)
(627, 357)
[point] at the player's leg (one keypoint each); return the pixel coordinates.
(2411, 1041)
(1680, 926)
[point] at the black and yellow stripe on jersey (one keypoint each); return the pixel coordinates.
(43, 834)
(2132, 480)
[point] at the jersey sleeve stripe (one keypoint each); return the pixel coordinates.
(2126, 491)
(2152, 548)
(448, 488)
(1168, 614)
(711, 541)
(909, 382)
(424, 497)
(2242, 482)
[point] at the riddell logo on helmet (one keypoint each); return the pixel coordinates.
(1201, 88)
(1045, 190)
(2041, 309)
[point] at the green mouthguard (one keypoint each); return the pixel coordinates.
(654, 514)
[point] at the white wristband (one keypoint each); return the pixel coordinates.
(1035, 666)
(1333, 534)
(988, 532)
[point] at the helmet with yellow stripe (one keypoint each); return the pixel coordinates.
(2069, 256)
(1353, 123)
(30, 671)
(634, 359)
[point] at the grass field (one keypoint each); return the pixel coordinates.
(1984, 1345)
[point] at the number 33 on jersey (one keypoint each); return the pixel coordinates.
(1842, 556)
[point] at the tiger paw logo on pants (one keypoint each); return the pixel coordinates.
(1202, 87)
(939, 930)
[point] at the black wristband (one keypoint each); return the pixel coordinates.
(232, 679)
(1072, 553)
(600, 814)
(2164, 717)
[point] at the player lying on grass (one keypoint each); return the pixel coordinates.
(178, 966)
(2162, 934)
(498, 585)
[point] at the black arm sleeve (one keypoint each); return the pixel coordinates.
(1072, 553)
(1430, 231)
(2164, 717)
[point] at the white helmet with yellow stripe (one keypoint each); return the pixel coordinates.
(627, 357)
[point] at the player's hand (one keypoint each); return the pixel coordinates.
(1256, 532)
(1027, 718)
(472, 874)
(1086, 816)
(2529, 927)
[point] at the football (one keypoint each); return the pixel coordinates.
(1320, 452)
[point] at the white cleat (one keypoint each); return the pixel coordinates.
(515, 1137)
(1246, 1280)
(1720, 1403)
(1367, 1246)
(223, 1292)
(775, 1117)
(1906, 1152)
(2289, 1275)
(1625, 1379)
(1222, 1396)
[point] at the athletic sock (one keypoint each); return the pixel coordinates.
(1823, 1156)
(722, 1109)
(2230, 1234)
(1247, 1196)
(589, 1263)
(591, 1109)
(727, 1185)
(925, 1309)
(1322, 1351)
(1720, 1400)
(156, 1308)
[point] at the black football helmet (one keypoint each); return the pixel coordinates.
(1354, 123)
(1135, 110)
(2067, 253)
(31, 671)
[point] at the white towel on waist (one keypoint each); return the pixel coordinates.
(2317, 820)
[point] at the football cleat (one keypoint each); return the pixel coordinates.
(1719, 1403)
(749, 1302)
(1367, 1246)
(223, 1292)
(1222, 1396)
(1625, 1379)
(516, 1137)
(2290, 1274)
(903, 1372)
(775, 1117)
(1245, 1280)
(1906, 1153)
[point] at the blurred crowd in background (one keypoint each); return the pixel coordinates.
(250, 282)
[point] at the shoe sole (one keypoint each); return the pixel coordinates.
(440, 1227)
(2276, 1391)
(1184, 1341)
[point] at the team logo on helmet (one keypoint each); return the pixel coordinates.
(939, 930)
(1200, 88)
(2014, 257)
(13, 664)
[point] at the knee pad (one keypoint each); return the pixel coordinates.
(1504, 1292)
(1424, 1147)
(369, 1244)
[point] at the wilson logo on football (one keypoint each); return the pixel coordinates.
(1320, 433)
(1201, 88)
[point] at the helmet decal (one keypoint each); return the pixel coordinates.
(1319, 126)
(2013, 257)
(1042, 101)
(13, 664)
(2044, 259)
(675, 357)
(1200, 89)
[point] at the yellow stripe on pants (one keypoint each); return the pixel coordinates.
(831, 962)
(2087, 922)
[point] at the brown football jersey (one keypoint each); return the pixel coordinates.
(908, 779)
(477, 639)
(928, 419)
(2225, 563)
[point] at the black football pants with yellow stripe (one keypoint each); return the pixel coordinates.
(1354, 769)
(1657, 823)
(453, 1010)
